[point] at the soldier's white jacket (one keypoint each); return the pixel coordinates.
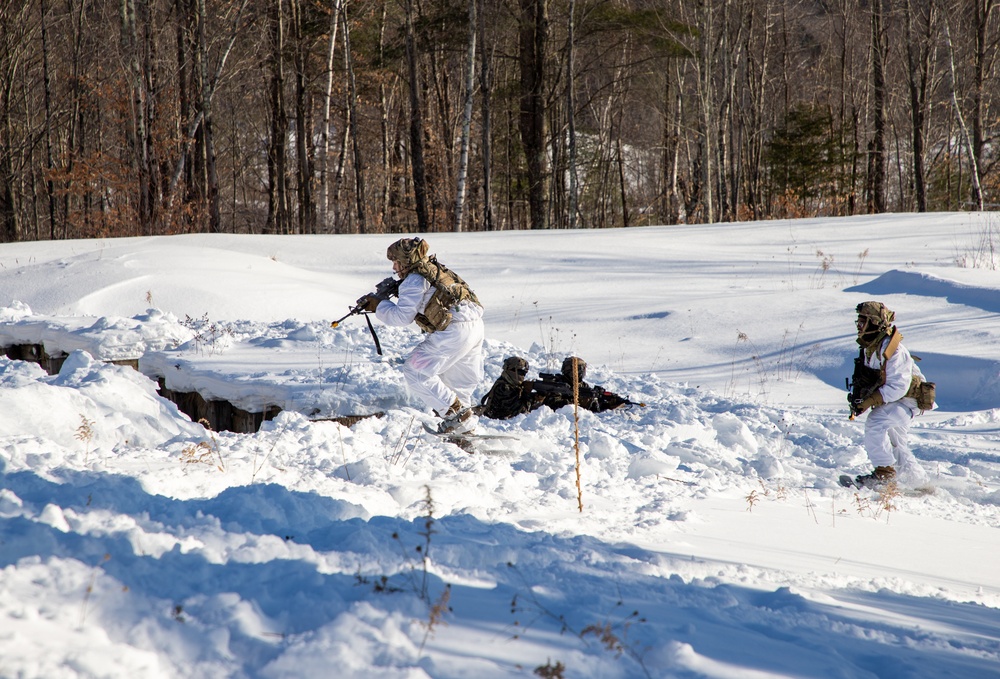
(899, 371)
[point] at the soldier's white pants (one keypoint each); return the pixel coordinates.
(886, 432)
(447, 365)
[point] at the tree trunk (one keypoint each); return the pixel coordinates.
(49, 188)
(359, 168)
(417, 166)
(9, 229)
(385, 106)
(533, 28)
(303, 126)
(277, 197)
(571, 114)
(706, 41)
(982, 67)
(876, 149)
(205, 93)
(486, 124)
(463, 156)
(137, 46)
(977, 192)
(918, 56)
(324, 155)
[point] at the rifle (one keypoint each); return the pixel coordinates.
(554, 388)
(388, 287)
(862, 384)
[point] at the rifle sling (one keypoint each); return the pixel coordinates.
(371, 328)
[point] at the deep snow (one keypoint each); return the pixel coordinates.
(713, 540)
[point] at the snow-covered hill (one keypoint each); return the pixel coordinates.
(713, 539)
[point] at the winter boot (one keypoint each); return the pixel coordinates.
(456, 419)
(879, 477)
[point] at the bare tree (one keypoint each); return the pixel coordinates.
(571, 147)
(984, 60)
(352, 101)
(303, 123)
(193, 46)
(138, 51)
(325, 127)
(532, 45)
(876, 196)
(486, 119)
(977, 191)
(920, 22)
(278, 209)
(416, 124)
(15, 32)
(470, 79)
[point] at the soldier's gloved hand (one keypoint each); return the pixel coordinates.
(370, 303)
(874, 400)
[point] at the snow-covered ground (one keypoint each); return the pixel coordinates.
(713, 539)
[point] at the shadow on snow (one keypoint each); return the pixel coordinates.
(552, 586)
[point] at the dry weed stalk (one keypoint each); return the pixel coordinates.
(205, 452)
(418, 585)
(438, 609)
(883, 503)
(436, 615)
(550, 671)
(343, 453)
(400, 446)
(611, 633)
(576, 431)
(207, 333)
(90, 590)
(85, 433)
(425, 549)
(255, 467)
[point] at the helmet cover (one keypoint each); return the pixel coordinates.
(407, 252)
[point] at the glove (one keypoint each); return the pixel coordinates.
(370, 303)
(872, 401)
(531, 396)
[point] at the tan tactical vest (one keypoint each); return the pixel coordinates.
(449, 290)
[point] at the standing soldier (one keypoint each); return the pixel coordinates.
(896, 386)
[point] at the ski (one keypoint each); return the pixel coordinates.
(457, 431)
(473, 442)
(848, 481)
(476, 436)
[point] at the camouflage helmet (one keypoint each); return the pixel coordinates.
(514, 369)
(874, 324)
(874, 315)
(567, 368)
(407, 252)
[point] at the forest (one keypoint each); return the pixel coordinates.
(149, 117)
